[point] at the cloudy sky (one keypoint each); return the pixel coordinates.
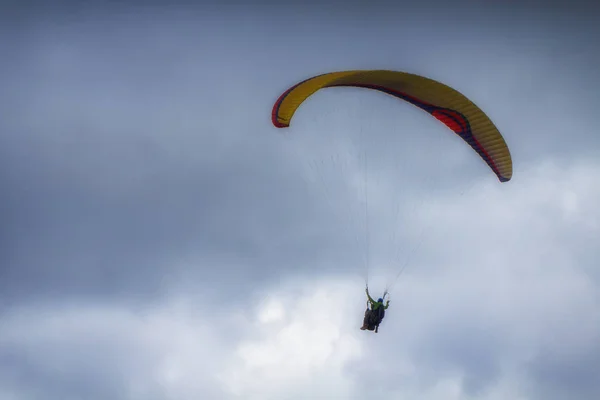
(160, 239)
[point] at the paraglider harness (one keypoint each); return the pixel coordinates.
(374, 317)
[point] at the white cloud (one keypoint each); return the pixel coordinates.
(296, 345)
(509, 286)
(303, 353)
(170, 352)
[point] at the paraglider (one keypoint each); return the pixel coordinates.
(374, 313)
(444, 103)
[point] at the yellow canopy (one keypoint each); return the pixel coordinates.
(441, 101)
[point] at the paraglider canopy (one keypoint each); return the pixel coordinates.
(449, 106)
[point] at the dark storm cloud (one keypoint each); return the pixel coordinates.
(139, 159)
